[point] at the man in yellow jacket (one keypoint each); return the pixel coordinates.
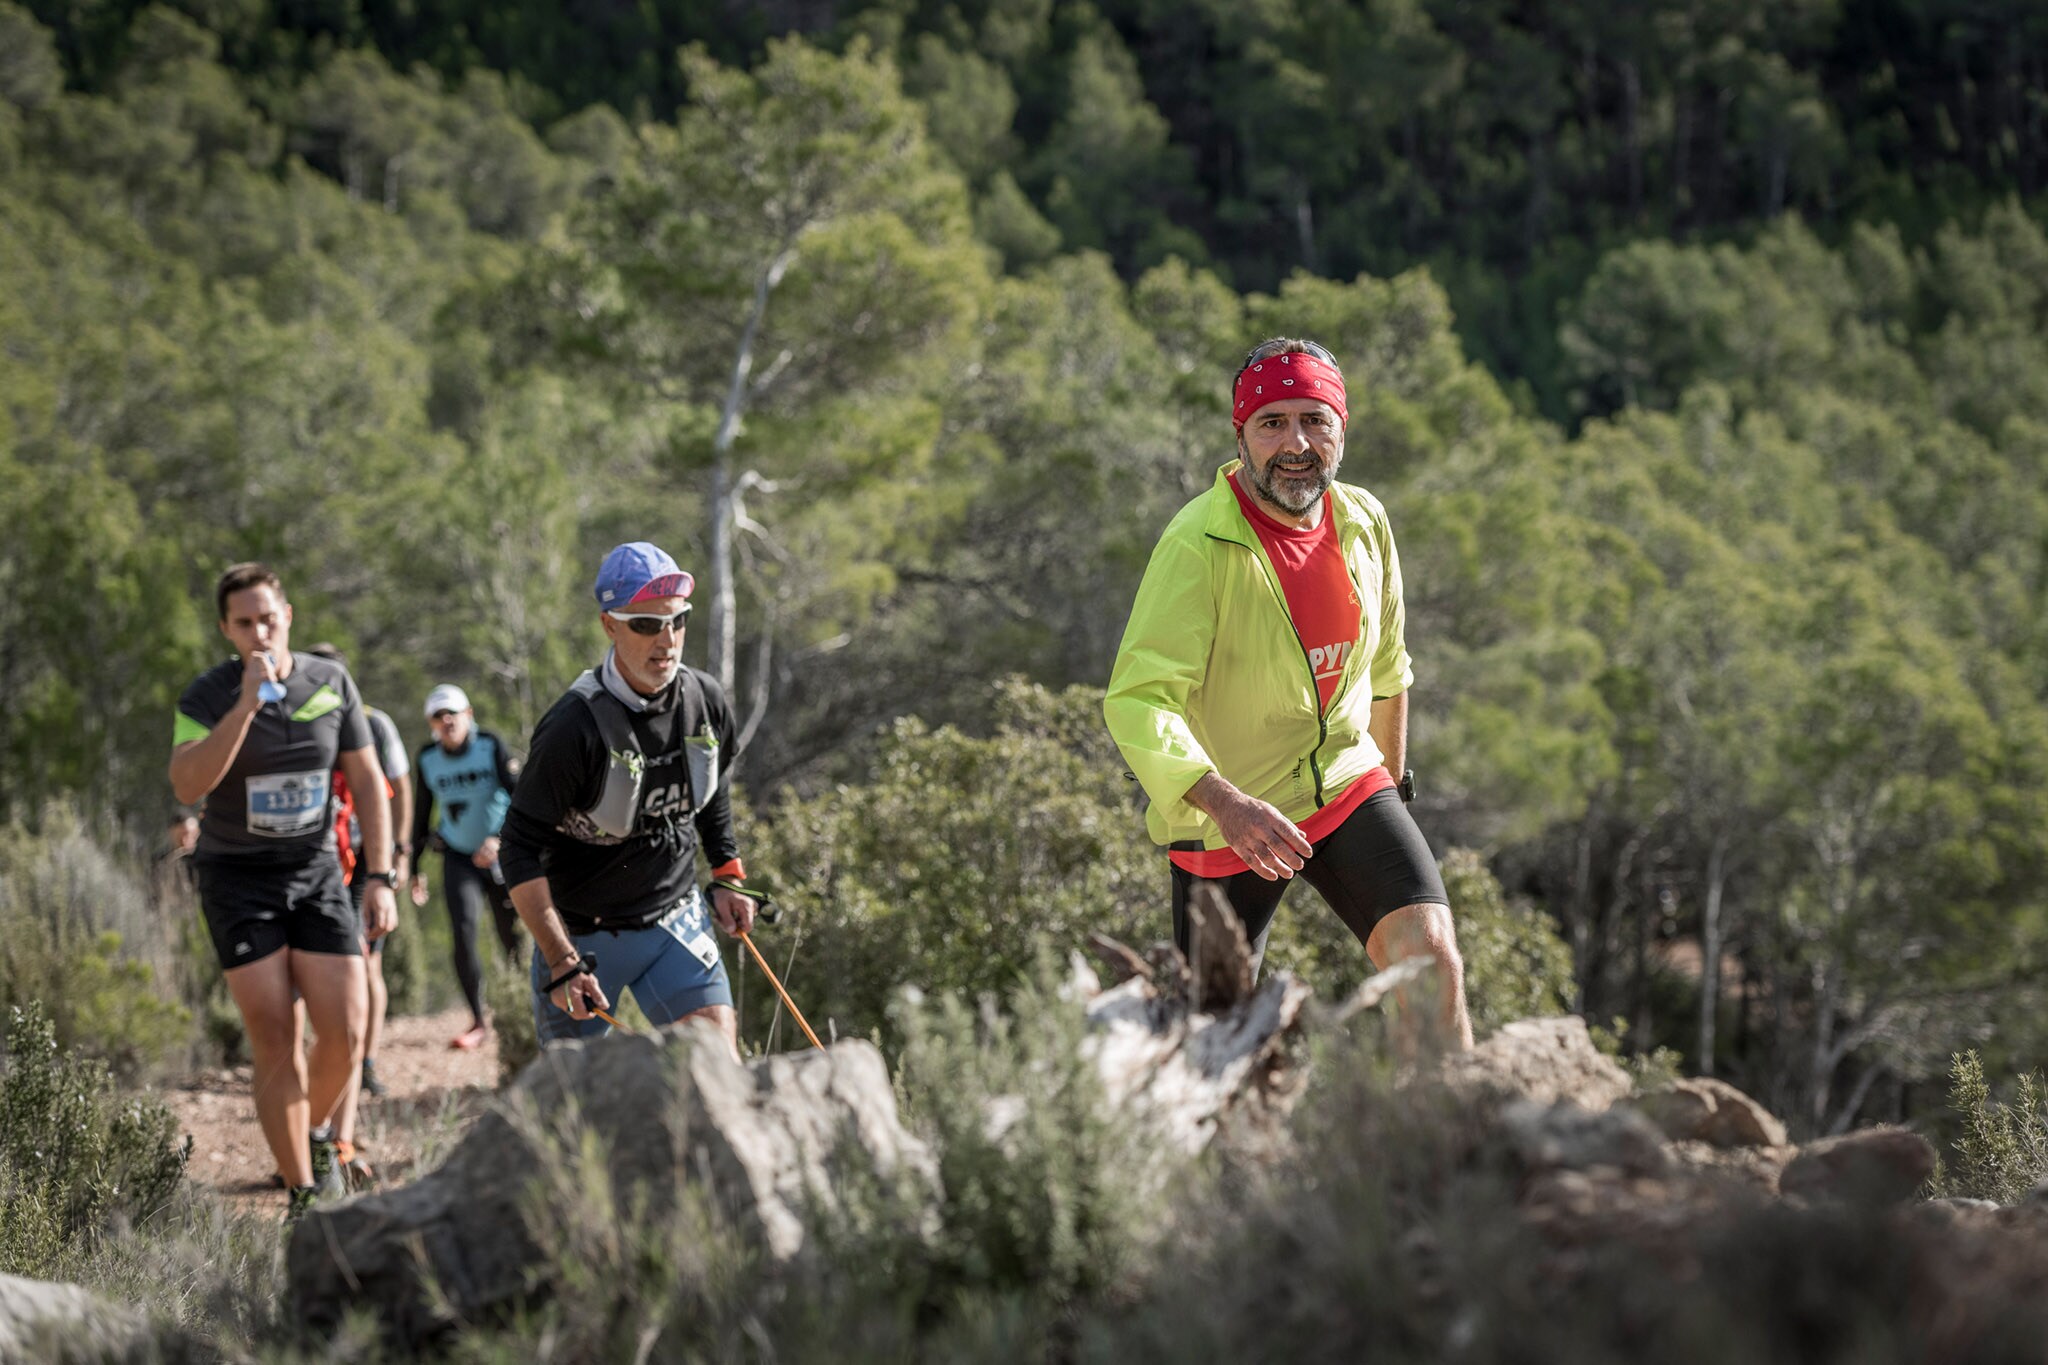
(1261, 691)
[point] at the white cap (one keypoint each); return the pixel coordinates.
(446, 697)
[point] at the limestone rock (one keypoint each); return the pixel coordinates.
(1545, 1060)
(1563, 1136)
(1704, 1109)
(1754, 1168)
(759, 1141)
(1870, 1167)
(40, 1320)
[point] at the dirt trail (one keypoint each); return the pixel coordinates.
(433, 1090)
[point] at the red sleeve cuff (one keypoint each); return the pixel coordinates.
(731, 870)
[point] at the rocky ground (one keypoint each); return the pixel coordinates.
(433, 1091)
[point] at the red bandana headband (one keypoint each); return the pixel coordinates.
(1297, 374)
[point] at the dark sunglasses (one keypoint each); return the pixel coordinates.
(641, 623)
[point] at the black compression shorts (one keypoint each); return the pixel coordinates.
(1373, 864)
(254, 909)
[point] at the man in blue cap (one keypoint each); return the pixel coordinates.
(624, 781)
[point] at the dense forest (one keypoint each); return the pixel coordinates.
(1697, 351)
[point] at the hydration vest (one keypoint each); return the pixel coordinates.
(616, 815)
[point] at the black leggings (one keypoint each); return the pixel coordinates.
(468, 889)
(1373, 864)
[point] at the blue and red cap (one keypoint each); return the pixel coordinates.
(639, 571)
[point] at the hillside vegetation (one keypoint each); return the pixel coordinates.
(1740, 675)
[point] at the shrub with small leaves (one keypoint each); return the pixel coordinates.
(2003, 1150)
(79, 934)
(74, 1154)
(508, 991)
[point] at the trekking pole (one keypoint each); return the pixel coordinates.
(613, 1022)
(769, 912)
(769, 972)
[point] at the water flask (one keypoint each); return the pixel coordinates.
(270, 689)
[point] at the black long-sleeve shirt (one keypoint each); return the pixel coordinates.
(632, 880)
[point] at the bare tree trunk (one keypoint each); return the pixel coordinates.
(724, 594)
(1539, 195)
(1681, 155)
(1821, 1070)
(1305, 226)
(1710, 952)
(1648, 911)
(1854, 1103)
(1631, 137)
(1582, 918)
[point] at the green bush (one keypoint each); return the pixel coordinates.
(1047, 1202)
(1517, 965)
(2002, 1152)
(1051, 1199)
(508, 994)
(955, 860)
(78, 933)
(74, 1153)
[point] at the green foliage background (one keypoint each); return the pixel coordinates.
(1697, 351)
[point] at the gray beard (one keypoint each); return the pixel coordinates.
(1294, 498)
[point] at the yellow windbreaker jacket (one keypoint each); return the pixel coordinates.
(1211, 675)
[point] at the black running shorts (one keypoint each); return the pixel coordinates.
(1373, 864)
(254, 909)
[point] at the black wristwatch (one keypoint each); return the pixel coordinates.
(1407, 787)
(389, 879)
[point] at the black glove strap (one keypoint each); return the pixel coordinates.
(586, 965)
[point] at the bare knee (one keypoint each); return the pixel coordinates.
(1422, 930)
(272, 1037)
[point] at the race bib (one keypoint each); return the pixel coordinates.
(282, 805)
(687, 927)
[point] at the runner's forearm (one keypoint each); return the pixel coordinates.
(536, 906)
(1210, 790)
(197, 766)
(422, 813)
(1388, 727)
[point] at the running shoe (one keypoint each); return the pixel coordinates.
(328, 1181)
(470, 1040)
(298, 1199)
(371, 1085)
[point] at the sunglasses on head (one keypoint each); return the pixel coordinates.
(643, 623)
(1252, 357)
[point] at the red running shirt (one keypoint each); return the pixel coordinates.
(1320, 596)
(1323, 604)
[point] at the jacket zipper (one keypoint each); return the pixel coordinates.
(1315, 768)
